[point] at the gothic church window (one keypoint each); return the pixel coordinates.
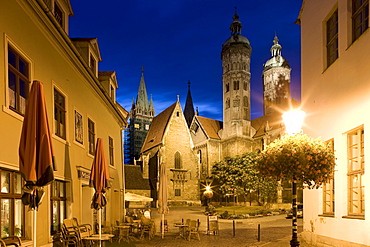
(227, 87)
(178, 160)
(245, 86)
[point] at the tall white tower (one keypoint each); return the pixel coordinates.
(235, 54)
(276, 81)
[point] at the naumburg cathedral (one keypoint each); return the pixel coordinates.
(189, 144)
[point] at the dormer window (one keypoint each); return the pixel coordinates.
(58, 14)
(92, 64)
(111, 92)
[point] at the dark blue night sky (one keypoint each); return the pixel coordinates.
(178, 41)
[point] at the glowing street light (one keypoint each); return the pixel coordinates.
(293, 121)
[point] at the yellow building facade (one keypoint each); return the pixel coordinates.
(81, 105)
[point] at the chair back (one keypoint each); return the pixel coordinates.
(145, 221)
(193, 225)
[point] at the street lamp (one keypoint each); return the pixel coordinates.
(293, 121)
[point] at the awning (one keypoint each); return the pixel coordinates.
(136, 198)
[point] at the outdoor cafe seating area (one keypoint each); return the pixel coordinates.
(75, 234)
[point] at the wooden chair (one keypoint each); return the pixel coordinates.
(85, 229)
(10, 241)
(147, 226)
(193, 229)
(73, 230)
(70, 239)
(124, 234)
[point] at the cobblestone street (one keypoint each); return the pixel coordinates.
(274, 231)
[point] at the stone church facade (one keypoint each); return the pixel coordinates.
(207, 141)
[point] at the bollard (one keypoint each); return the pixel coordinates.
(234, 228)
(259, 233)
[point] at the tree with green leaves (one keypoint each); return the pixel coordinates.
(298, 157)
(239, 176)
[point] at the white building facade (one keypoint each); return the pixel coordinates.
(336, 97)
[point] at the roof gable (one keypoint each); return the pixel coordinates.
(211, 127)
(157, 128)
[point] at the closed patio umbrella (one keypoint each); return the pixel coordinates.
(163, 190)
(36, 156)
(99, 179)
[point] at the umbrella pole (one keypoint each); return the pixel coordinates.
(34, 228)
(162, 226)
(100, 226)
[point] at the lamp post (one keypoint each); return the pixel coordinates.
(293, 121)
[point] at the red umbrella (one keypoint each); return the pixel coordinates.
(99, 178)
(36, 161)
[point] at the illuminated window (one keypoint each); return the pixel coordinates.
(332, 39)
(91, 130)
(12, 210)
(18, 81)
(328, 192)
(356, 169)
(58, 204)
(59, 114)
(360, 17)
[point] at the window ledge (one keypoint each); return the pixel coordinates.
(356, 217)
(329, 215)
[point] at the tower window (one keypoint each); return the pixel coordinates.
(236, 85)
(227, 87)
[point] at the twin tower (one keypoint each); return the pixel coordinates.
(238, 132)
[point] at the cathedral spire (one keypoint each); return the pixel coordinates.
(276, 47)
(142, 96)
(236, 25)
(189, 107)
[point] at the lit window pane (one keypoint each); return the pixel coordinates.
(5, 182)
(18, 218)
(5, 217)
(17, 184)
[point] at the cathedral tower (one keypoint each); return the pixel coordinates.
(189, 107)
(235, 55)
(141, 116)
(276, 81)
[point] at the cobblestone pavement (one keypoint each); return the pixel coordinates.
(275, 231)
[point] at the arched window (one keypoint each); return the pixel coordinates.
(200, 156)
(177, 160)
